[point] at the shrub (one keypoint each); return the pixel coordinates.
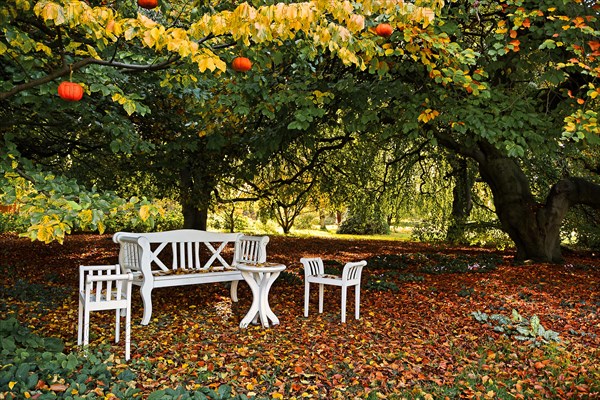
(226, 222)
(289, 278)
(581, 228)
(519, 327)
(12, 223)
(43, 295)
(384, 282)
(306, 221)
(441, 263)
(381, 283)
(395, 261)
(475, 234)
(36, 367)
(332, 267)
(365, 217)
(359, 224)
(172, 218)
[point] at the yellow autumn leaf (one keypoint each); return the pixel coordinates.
(101, 227)
(428, 115)
(85, 216)
(25, 5)
(118, 98)
(356, 23)
(48, 11)
(144, 212)
(39, 47)
(92, 52)
(130, 33)
(206, 63)
(45, 233)
(11, 384)
(148, 39)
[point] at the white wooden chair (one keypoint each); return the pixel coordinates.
(314, 272)
(104, 287)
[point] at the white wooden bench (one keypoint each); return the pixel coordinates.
(186, 257)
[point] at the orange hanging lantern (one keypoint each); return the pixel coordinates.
(70, 91)
(384, 30)
(241, 64)
(148, 4)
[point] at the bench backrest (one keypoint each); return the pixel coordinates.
(188, 249)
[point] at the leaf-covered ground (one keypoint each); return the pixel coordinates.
(417, 336)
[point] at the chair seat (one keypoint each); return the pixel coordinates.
(328, 276)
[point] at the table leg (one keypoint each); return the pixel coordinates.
(266, 308)
(249, 277)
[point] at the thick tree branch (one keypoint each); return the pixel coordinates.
(468, 151)
(66, 70)
(313, 162)
(574, 191)
(29, 178)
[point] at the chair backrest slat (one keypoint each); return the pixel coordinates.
(353, 270)
(313, 266)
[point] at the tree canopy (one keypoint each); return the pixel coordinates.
(511, 87)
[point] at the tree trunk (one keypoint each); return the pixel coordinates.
(322, 217)
(193, 217)
(462, 203)
(534, 227)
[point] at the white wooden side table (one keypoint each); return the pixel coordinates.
(260, 278)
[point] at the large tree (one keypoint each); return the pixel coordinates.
(541, 65)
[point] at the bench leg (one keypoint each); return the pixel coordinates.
(128, 330)
(86, 327)
(146, 292)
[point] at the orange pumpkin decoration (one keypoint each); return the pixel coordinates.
(70, 91)
(384, 30)
(148, 4)
(241, 64)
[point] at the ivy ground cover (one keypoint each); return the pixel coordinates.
(435, 323)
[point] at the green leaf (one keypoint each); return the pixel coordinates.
(224, 391)
(548, 44)
(158, 395)
(127, 375)
(535, 324)
(8, 344)
(53, 344)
